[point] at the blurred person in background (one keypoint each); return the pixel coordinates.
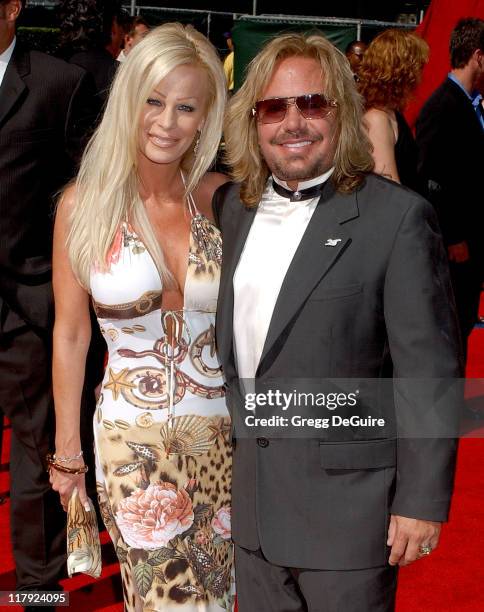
(389, 73)
(229, 62)
(136, 28)
(91, 37)
(355, 52)
(450, 139)
(44, 108)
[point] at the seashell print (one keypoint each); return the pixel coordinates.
(189, 589)
(144, 420)
(139, 328)
(127, 330)
(202, 563)
(99, 415)
(127, 468)
(143, 450)
(138, 249)
(217, 581)
(186, 435)
(121, 424)
(108, 424)
(112, 333)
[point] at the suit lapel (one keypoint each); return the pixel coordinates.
(242, 224)
(321, 246)
(13, 87)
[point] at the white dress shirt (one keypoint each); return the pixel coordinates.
(276, 232)
(5, 58)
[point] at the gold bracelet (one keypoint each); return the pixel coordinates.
(62, 468)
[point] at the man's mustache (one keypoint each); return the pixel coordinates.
(282, 138)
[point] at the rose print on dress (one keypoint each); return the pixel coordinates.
(221, 522)
(150, 518)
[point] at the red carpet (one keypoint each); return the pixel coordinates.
(451, 579)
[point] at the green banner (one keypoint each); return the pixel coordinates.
(249, 36)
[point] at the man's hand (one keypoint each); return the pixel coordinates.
(458, 253)
(406, 535)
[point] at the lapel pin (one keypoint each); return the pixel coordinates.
(332, 242)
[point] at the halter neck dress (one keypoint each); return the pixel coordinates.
(161, 428)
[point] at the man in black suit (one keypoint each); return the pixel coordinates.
(91, 37)
(329, 272)
(42, 101)
(450, 139)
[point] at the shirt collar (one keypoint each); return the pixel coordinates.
(7, 54)
(475, 97)
(306, 184)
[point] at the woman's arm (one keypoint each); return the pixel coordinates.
(383, 138)
(72, 333)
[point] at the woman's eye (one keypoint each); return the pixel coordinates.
(153, 102)
(186, 108)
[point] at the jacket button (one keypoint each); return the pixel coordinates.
(263, 442)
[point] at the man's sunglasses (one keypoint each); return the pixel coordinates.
(311, 106)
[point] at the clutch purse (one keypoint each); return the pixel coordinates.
(83, 546)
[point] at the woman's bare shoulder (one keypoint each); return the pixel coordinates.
(377, 117)
(67, 200)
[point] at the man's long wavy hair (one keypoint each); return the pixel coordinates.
(352, 157)
(391, 68)
(107, 186)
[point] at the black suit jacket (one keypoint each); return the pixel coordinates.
(45, 105)
(102, 66)
(378, 303)
(451, 145)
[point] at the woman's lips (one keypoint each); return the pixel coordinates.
(159, 141)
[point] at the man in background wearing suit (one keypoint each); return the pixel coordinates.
(450, 139)
(41, 102)
(329, 272)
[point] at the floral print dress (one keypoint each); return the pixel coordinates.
(163, 456)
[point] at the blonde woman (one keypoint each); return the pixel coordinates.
(389, 73)
(135, 236)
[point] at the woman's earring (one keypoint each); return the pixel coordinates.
(197, 142)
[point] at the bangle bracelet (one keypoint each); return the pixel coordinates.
(62, 468)
(67, 459)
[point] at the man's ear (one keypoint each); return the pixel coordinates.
(479, 55)
(13, 10)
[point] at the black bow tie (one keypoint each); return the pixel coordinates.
(299, 195)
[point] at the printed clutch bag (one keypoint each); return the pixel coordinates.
(83, 546)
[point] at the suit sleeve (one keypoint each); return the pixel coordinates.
(425, 348)
(441, 167)
(81, 118)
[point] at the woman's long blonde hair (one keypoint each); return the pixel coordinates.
(352, 158)
(107, 186)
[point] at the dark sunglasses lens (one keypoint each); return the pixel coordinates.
(271, 111)
(314, 106)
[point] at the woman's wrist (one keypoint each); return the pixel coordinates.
(67, 447)
(59, 458)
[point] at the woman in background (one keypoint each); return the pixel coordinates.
(135, 236)
(389, 73)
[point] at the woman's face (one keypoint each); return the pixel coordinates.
(173, 113)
